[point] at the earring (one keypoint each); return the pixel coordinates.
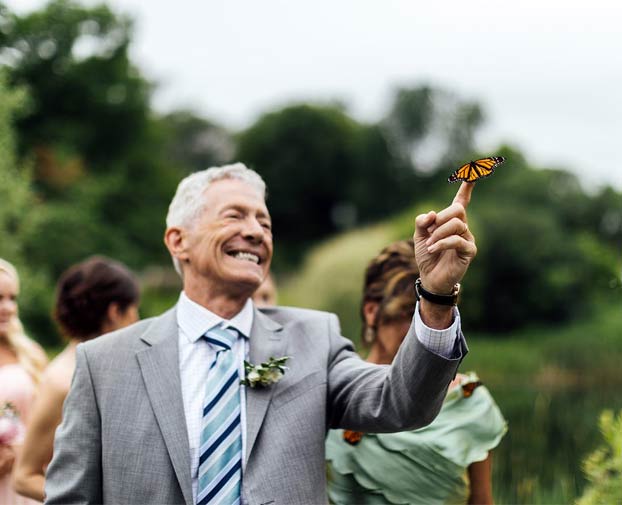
(369, 335)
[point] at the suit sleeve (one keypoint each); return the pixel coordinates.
(74, 475)
(406, 395)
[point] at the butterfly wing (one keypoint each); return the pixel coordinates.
(474, 170)
(462, 174)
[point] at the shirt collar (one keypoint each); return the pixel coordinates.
(194, 319)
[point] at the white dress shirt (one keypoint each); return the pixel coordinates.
(196, 355)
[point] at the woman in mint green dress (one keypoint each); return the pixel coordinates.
(448, 461)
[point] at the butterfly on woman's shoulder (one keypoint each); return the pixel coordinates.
(478, 169)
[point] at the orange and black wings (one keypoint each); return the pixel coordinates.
(470, 172)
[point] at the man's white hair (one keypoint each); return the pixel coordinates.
(189, 201)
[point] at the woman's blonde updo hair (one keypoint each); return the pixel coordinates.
(388, 282)
(29, 355)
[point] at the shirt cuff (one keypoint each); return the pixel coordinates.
(441, 342)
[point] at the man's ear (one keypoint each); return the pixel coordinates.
(175, 241)
(370, 311)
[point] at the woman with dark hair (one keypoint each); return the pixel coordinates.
(446, 462)
(94, 297)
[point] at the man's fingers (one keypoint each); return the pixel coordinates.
(455, 210)
(428, 224)
(423, 222)
(454, 226)
(462, 246)
(463, 196)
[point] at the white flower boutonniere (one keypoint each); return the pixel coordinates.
(266, 374)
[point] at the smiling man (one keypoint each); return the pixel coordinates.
(159, 413)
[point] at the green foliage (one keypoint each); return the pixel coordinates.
(193, 143)
(324, 172)
(532, 266)
(95, 145)
(15, 193)
(411, 113)
(19, 212)
(549, 382)
(431, 127)
(88, 103)
(604, 466)
(331, 277)
(100, 170)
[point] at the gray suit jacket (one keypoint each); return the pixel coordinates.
(123, 439)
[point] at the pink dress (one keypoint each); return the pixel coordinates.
(16, 387)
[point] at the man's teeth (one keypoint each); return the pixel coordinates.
(247, 256)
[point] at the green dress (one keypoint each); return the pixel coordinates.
(428, 465)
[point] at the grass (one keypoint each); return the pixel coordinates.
(551, 384)
(581, 354)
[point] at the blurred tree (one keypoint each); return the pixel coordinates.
(19, 210)
(89, 104)
(534, 258)
(16, 196)
(98, 152)
(529, 268)
(324, 172)
(432, 128)
(193, 143)
(601, 213)
(533, 266)
(410, 116)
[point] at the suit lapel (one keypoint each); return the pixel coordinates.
(266, 341)
(159, 365)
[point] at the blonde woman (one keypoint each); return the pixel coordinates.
(94, 297)
(21, 363)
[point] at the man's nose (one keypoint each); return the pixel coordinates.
(253, 229)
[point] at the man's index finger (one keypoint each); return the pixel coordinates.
(463, 196)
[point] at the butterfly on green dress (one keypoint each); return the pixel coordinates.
(352, 437)
(469, 387)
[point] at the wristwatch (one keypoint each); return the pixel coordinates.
(451, 299)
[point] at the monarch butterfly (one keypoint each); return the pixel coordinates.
(478, 169)
(352, 437)
(469, 387)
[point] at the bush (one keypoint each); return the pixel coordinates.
(532, 267)
(603, 467)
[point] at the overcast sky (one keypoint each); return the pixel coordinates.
(547, 72)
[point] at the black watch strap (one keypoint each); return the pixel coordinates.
(451, 299)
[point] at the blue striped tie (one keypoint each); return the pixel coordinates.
(220, 454)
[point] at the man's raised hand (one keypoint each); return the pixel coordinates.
(444, 245)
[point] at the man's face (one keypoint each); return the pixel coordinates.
(229, 247)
